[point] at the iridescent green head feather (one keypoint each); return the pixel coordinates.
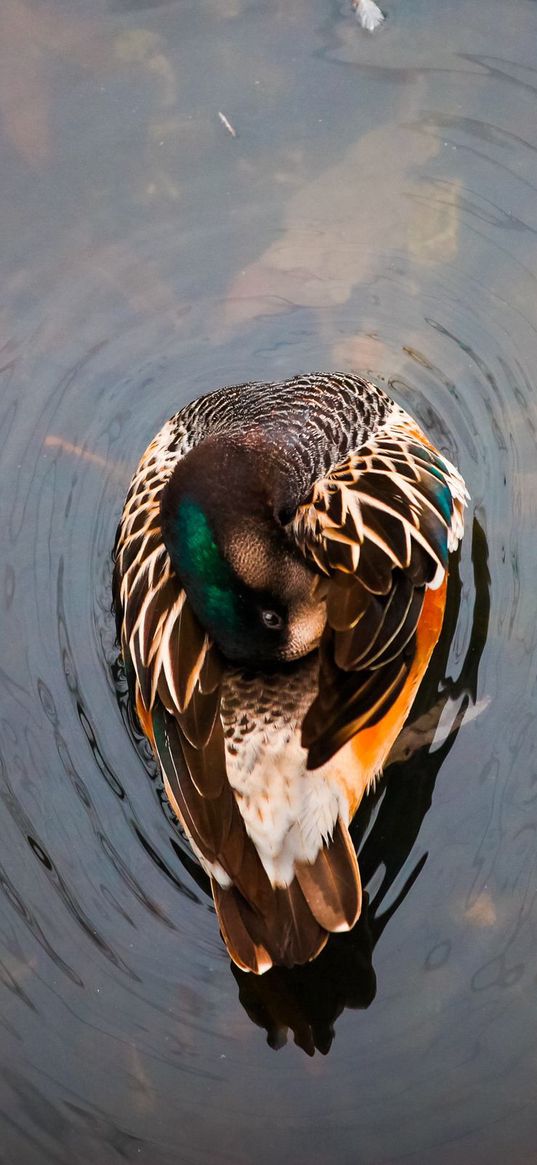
(203, 566)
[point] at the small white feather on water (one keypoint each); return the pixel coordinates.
(227, 124)
(368, 13)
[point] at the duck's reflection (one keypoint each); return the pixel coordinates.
(306, 1001)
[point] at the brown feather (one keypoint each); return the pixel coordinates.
(331, 884)
(395, 639)
(294, 935)
(351, 644)
(162, 598)
(285, 933)
(375, 569)
(211, 672)
(199, 719)
(390, 528)
(207, 820)
(189, 655)
(346, 602)
(249, 955)
(366, 642)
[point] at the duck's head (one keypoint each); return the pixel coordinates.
(223, 517)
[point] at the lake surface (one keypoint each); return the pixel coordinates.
(376, 210)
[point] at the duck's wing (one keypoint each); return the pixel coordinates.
(381, 525)
(168, 657)
(174, 672)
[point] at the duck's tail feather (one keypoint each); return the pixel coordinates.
(284, 935)
(331, 885)
(294, 924)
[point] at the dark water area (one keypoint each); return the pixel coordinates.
(376, 210)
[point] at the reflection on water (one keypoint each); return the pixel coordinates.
(376, 209)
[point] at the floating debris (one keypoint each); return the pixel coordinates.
(368, 14)
(52, 441)
(227, 124)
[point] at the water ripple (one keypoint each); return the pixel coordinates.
(377, 211)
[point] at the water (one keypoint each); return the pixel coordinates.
(377, 209)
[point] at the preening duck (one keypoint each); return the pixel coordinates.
(280, 577)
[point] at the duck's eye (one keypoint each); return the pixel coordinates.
(272, 620)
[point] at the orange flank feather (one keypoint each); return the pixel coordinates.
(372, 745)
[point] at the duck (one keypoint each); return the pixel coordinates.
(280, 574)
